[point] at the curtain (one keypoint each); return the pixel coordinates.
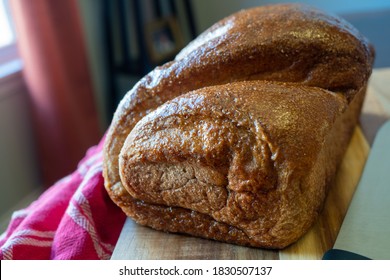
(55, 68)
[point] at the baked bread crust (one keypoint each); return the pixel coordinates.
(267, 100)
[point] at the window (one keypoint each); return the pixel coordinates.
(9, 59)
(6, 33)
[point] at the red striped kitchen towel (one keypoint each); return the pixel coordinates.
(73, 219)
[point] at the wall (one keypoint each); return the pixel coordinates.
(18, 170)
(90, 13)
(373, 25)
(209, 11)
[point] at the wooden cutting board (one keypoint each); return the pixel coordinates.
(138, 242)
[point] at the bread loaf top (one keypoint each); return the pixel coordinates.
(288, 42)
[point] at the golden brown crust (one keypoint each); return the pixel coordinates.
(232, 160)
(213, 152)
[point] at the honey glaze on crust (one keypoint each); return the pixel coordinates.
(234, 163)
(212, 152)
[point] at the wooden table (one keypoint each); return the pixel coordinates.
(138, 242)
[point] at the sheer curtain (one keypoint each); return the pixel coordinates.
(51, 44)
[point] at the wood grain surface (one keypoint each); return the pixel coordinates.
(138, 242)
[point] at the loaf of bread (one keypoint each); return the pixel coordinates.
(239, 138)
